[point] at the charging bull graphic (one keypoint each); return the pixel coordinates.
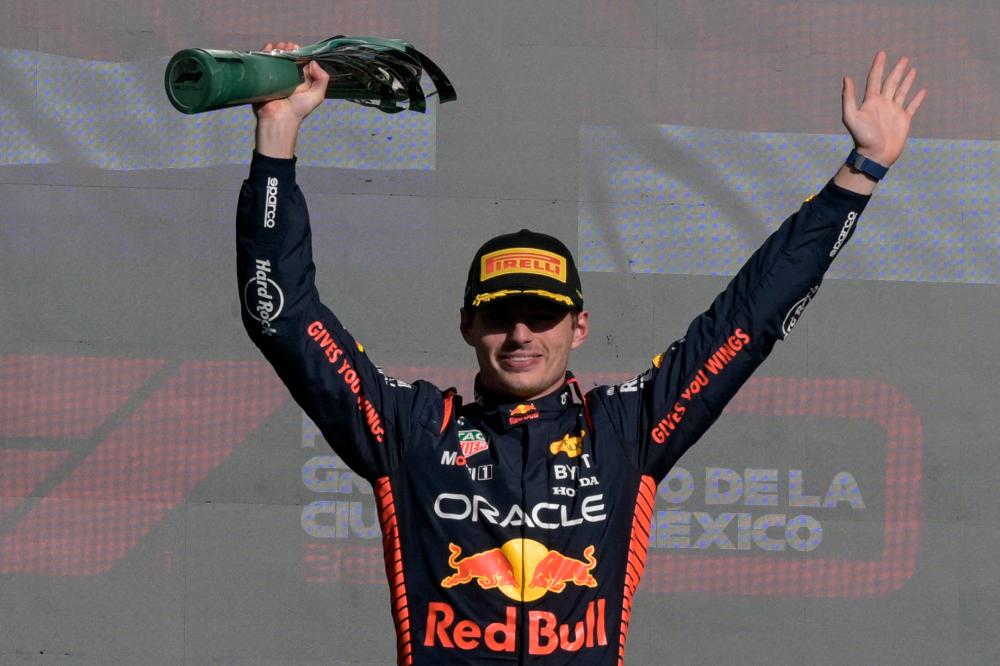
(490, 569)
(522, 569)
(555, 570)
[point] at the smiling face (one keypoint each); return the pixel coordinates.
(523, 344)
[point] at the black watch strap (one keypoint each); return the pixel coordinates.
(866, 166)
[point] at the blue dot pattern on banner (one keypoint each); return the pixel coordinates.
(700, 200)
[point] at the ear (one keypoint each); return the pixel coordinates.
(465, 325)
(581, 329)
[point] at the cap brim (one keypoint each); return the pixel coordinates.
(550, 297)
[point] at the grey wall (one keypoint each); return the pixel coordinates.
(154, 476)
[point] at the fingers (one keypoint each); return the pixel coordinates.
(320, 77)
(896, 86)
(848, 98)
(314, 81)
(280, 46)
(892, 82)
(904, 89)
(874, 84)
(915, 103)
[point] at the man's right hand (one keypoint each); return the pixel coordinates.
(278, 121)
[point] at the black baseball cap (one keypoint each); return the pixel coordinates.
(524, 263)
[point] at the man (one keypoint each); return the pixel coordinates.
(515, 528)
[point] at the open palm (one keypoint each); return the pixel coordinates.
(882, 122)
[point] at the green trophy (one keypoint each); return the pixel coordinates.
(372, 71)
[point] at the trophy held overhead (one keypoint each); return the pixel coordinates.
(372, 71)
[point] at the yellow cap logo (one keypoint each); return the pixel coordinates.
(523, 260)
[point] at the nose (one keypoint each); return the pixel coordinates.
(519, 332)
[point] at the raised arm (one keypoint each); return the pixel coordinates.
(362, 413)
(666, 409)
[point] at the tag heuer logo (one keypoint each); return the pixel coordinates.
(472, 442)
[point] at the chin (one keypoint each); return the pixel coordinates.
(522, 387)
(518, 389)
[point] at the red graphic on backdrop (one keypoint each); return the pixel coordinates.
(122, 441)
(102, 449)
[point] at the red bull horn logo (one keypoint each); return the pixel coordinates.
(571, 445)
(523, 412)
(522, 569)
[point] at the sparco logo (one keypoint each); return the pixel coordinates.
(793, 315)
(271, 203)
(844, 234)
(269, 297)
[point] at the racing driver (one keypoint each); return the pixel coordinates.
(515, 527)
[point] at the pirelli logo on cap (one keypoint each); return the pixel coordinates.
(522, 260)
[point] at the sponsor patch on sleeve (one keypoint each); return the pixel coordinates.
(796, 311)
(263, 298)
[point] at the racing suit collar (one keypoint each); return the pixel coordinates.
(509, 414)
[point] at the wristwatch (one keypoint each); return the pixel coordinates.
(866, 166)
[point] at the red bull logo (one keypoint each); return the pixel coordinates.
(571, 445)
(522, 413)
(521, 569)
(546, 632)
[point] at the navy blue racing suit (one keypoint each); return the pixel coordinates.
(515, 532)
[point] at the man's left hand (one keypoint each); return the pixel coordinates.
(880, 126)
